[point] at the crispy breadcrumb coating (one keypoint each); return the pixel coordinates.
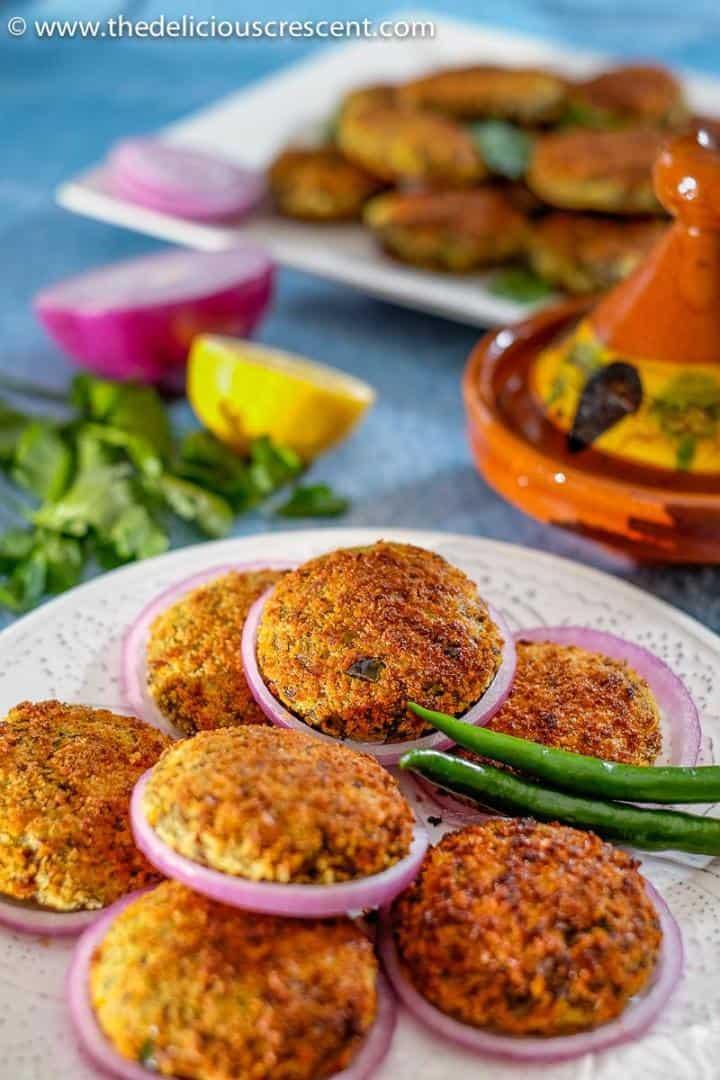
(346, 639)
(270, 804)
(194, 663)
(189, 987)
(581, 701)
(66, 775)
(527, 929)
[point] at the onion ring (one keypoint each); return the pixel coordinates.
(639, 1014)
(385, 753)
(134, 681)
(182, 182)
(29, 918)
(273, 897)
(98, 1048)
(679, 719)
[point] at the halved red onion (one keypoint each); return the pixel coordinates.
(385, 753)
(641, 1011)
(272, 897)
(134, 680)
(105, 1057)
(136, 319)
(183, 182)
(679, 719)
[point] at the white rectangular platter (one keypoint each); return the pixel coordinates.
(253, 124)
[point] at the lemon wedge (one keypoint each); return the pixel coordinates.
(240, 390)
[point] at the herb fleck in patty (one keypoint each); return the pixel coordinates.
(346, 639)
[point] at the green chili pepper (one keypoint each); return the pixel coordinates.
(579, 772)
(651, 830)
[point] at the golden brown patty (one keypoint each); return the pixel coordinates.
(66, 775)
(449, 230)
(526, 95)
(191, 988)
(346, 639)
(194, 663)
(527, 929)
(581, 701)
(635, 94)
(319, 185)
(583, 253)
(275, 805)
(401, 144)
(364, 97)
(610, 171)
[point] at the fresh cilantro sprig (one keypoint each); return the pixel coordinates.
(106, 483)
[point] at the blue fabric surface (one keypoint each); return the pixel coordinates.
(408, 465)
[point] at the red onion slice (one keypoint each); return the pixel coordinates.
(105, 1057)
(272, 897)
(134, 680)
(640, 1013)
(385, 753)
(29, 918)
(679, 719)
(182, 182)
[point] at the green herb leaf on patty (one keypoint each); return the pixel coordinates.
(505, 148)
(518, 284)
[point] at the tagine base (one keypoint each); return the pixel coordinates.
(650, 514)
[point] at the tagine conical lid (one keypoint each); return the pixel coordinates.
(669, 308)
(639, 377)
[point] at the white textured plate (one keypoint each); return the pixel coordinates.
(71, 648)
(252, 125)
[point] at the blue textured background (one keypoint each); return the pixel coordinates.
(62, 104)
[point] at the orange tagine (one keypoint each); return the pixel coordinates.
(607, 421)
